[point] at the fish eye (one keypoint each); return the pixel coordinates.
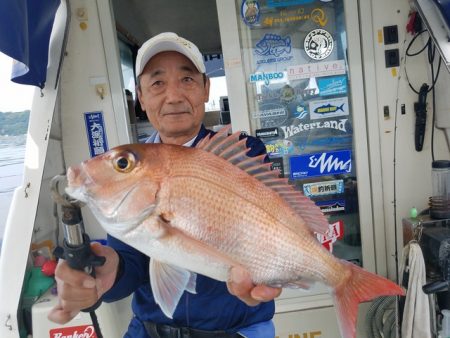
(124, 163)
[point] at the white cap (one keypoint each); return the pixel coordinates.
(165, 42)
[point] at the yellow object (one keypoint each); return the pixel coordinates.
(42, 251)
(394, 72)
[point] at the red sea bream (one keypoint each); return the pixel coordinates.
(206, 209)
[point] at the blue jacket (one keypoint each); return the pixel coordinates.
(212, 308)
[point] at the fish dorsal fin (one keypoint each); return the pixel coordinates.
(230, 148)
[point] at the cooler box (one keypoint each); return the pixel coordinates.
(113, 320)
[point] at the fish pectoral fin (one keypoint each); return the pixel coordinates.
(156, 225)
(168, 283)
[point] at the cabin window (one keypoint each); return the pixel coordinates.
(126, 62)
(217, 90)
(216, 72)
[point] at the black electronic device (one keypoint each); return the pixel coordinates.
(420, 109)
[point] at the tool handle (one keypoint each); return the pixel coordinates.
(80, 257)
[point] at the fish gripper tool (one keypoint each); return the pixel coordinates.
(76, 248)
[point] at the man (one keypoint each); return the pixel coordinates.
(172, 90)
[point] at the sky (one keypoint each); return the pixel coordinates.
(13, 97)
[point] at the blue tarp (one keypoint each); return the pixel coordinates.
(444, 7)
(25, 28)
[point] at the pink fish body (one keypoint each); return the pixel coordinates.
(206, 209)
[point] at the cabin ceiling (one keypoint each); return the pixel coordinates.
(195, 20)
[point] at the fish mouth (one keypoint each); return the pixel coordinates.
(78, 179)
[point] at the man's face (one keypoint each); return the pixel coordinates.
(173, 94)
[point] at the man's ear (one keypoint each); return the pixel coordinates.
(207, 85)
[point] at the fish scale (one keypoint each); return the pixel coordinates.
(247, 221)
(207, 209)
(208, 172)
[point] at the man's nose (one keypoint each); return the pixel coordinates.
(174, 92)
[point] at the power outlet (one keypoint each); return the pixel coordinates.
(392, 57)
(390, 34)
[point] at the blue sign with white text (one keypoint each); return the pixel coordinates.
(96, 133)
(321, 164)
(334, 85)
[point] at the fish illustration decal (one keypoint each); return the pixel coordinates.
(204, 210)
(329, 108)
(273, 44)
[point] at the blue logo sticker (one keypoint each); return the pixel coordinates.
(285, 3)
(266, 77)
(95, 129)
(335, 85)
(300, 112)
(323, 188)
(329, 108)
(273, 45)
(321, 164)
(250, 12)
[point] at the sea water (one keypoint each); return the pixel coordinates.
(12, 152)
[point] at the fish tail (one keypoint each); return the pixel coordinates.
(341, 107)
(360, 286)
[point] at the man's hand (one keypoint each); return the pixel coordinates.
(77, 290)
(241, 285)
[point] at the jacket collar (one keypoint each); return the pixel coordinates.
(201, 134)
